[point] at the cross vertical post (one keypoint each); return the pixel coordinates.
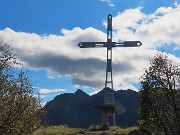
(109, 96)
(109, 53)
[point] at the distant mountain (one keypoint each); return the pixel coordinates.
(76, 109)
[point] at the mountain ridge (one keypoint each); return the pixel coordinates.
(76, 109)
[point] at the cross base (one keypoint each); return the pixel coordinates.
(105, 114)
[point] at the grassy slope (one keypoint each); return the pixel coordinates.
(65, 130)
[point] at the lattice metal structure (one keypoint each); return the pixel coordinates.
(109, 95)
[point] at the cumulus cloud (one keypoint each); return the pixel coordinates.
(154, 30)
(60, 55)
(47, 91)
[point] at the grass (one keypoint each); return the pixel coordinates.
(57, 130)
(65, 130)
(123, 131)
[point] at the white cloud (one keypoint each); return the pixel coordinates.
(126, 86)
(60, 55)
(41, 96)
(94, 92)
(47, 91)
(109, 2)
(154, 30)
(164, 10)
(43, 104)
(111, 5)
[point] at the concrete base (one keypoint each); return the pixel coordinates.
(105, 114)
(105, 118)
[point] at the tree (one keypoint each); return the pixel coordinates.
(160, 96)
(20, 111)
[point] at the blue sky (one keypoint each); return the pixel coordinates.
(44, 34)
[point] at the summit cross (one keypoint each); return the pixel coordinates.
(109, 96)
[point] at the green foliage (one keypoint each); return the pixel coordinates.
(20, 111)
(160, 96)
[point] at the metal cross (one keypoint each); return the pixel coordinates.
(109, 97)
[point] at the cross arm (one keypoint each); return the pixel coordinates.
(109, 44)
(129, 44)
(90, 44)
(132, 43)
(96, 44)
